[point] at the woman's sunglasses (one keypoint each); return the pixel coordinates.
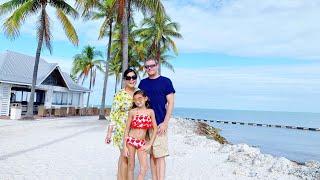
(130, 77)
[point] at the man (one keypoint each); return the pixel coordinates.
(160, 91)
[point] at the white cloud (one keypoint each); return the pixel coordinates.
(286, 28)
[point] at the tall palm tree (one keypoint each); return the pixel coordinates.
(124, 13)
(160, 30)
(104, 10)
(136, 54)
(22, 9)
(85, 65)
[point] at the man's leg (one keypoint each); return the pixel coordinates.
(160, 151)
(153, 167)
(161, 167)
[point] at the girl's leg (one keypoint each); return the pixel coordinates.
(132, 153)
(142, 156)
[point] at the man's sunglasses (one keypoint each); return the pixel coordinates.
(150, 66)
(130, 77)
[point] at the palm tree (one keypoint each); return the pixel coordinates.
(104, 10)
(86, 65)
(115, 70)
(124, 14)
(159, 30)
(23, 9)
(136, 54)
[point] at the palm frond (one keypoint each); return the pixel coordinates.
(168, 65)
(64, 7)
(13, 23)
(46, 30)
(104, 29)
(9, 6)
(67, 26)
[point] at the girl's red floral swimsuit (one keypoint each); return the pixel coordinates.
(139, 122)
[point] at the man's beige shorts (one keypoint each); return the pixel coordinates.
(160, 146)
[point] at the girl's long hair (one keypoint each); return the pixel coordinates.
(147, 104)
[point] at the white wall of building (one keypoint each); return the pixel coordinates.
(5, 93)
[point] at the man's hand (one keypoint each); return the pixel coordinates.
(146, 147)
(162, 128)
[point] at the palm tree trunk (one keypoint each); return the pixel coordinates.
(125, 33)
(106, 75)
(29, 114)
(159, 58)
(90, 84)
(115, 85)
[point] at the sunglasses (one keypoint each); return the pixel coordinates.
(130, 77)
(150, 66)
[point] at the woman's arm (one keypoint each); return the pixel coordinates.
(109, 134)
(116, 103)
(116, 106)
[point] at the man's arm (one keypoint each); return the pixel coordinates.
(170, 104)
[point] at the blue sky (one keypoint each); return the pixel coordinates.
(235, 54)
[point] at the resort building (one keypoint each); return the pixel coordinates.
(54, 88)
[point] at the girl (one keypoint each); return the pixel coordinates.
(140, 119)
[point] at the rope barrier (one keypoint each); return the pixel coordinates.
(255, 124)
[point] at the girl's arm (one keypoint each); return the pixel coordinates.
(154, 125)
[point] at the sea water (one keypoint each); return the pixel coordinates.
(297, 145)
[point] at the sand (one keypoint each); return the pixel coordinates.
(73, 148)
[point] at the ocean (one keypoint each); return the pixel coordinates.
(296, 145)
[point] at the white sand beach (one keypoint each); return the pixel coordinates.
(73, 148)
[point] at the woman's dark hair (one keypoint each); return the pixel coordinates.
(144, 95)
(126, 72)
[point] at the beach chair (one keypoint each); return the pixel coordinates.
(57, 112)
(63, 111)
(42, 111)
(72, 111)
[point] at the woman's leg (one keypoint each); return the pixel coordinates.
(142, 156)
(122, 167)
(131, 158)
(119, 175)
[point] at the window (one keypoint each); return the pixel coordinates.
(57, 97)
(18, 95)
(76, 99)
(70, 99)
(61, 98)
(64, 98)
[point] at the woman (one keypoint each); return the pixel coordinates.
(121, 105)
